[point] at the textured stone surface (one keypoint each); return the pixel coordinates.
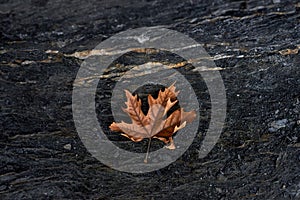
(255, 44)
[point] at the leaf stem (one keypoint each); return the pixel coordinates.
(148, 149)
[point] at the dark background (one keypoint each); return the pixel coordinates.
(255, 43)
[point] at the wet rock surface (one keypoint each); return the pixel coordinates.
(253, 43)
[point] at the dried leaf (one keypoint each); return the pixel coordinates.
(168, 93)
(155, 124)
(134, 110)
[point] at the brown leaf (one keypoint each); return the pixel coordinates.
(176, 119)
(155, 124)
(163, 97)
(134, 109)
